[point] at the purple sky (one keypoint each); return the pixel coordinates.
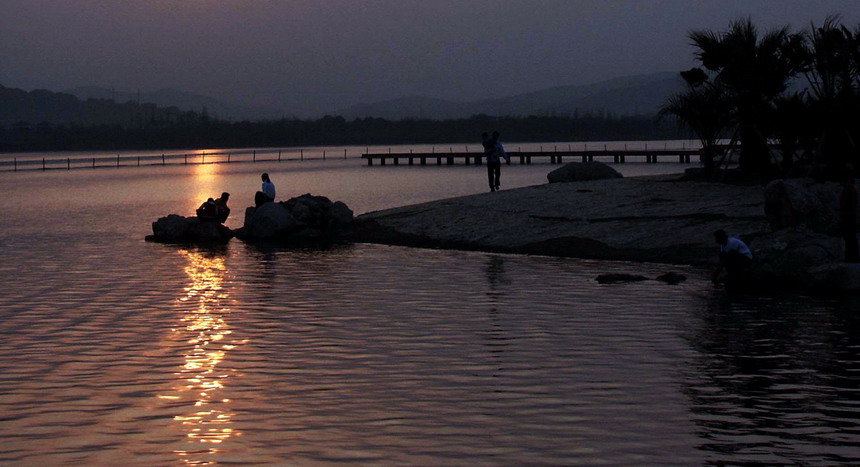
(310, 56)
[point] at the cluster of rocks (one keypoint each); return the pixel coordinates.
(805, 247)
(179, 229)
(301, 220)
(306, 218)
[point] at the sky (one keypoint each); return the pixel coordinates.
(308, 57)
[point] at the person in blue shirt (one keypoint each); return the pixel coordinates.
(268, 187)
(494, 152)
(735, 256)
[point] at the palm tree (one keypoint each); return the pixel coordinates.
(706, 110)
(754, 71)
(833, 71)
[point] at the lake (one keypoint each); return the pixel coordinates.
(118, 351)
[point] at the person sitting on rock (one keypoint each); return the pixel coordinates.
(267, 193)
(735, 256)
(268, 187)
(222, 211)
(208, 211)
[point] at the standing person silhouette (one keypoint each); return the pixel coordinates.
(494, 151)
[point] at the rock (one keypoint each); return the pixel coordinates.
(843, 277)
(789, 255)
(341, 215)
(178, 229)
(615, 278)
(302, 219)
(672, 278)
(794, 202)
(268, 221)
(581, 171)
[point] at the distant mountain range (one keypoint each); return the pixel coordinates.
(182, 100)
(630, 95)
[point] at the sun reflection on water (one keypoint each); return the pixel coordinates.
(206, 424)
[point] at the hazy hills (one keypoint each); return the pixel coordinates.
(182, 100)
(630, 95)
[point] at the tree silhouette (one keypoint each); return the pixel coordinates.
(754, 71)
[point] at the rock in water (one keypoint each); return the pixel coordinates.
(671, 278)
(269, 221)
(843, 277)
(302, 219)
(178, 229)
(581, 171)
(615, 278)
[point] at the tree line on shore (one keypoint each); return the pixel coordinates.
(42, 120)
(789, 100)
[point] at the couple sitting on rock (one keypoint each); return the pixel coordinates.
(215, 209)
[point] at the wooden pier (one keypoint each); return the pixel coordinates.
(621, 156)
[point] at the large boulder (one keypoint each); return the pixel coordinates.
(302, 219)
(268, 221)
(581, 171)
(178, 229)
(803, 202)
(789, 256)
(843, 277)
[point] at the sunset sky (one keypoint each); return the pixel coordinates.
(310, 56)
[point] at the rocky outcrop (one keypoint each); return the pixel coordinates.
(302, 219)
(657, 219)
(803, 202)
(582, 171)
(805, 248)
(178, 229)
(269, 220)
(841, 277)
(788, 256)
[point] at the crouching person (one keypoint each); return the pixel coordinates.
(223, 211)
(735, 257)
(208, 210)
(215, 209)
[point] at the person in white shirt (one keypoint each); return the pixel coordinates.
(267, 193)
(268, 187)
(735, 256)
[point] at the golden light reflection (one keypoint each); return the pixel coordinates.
(205, 184)
(201, 381)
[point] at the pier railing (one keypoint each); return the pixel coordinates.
(618, 156)
(28, 162)
(438, 155)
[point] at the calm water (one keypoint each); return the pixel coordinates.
(115, 351)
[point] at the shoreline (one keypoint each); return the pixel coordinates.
(660, 219)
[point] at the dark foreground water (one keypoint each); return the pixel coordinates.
(114, 351)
